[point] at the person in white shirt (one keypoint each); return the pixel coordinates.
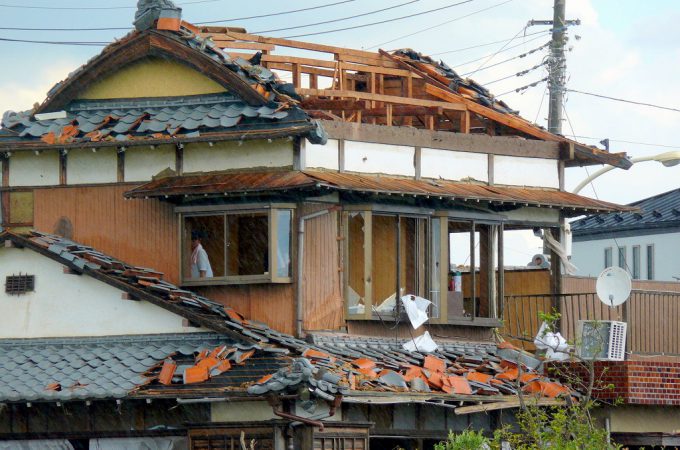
(200, 264)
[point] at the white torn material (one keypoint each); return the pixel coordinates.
(416, 309)
(51, 115)
(554, 344)
(561, 251)
(421, 344)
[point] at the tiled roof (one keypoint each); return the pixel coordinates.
(659, 211)
(339, 364)
(268, 181)
(87, 368)
(119, 121)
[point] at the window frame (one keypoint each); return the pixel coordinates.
(636, 262)
(608, 257)
(272, 210)
(650, 262)
(622, 252)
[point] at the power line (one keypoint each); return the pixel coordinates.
(439, 25)
(64, 29)
(509, 59)
(518, 74)
(484, 45)
(525, 87)
(500, 50)
(624, 100)
(274, 14)
(27, 41)
(4, 5)
(504, 50)
(629, 142)
(382, 21)
(338, 20)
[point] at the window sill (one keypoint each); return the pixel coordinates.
(235, 282)
(485, 322)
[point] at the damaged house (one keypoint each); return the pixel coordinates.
(318, 205)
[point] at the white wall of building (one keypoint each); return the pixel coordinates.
(29, 169)
(230, 155)
(520, 171)
(85, 166)
(142, 163)
(73, 305)
(588, 256)
(379, 158)
(321, 156)
(452, 165)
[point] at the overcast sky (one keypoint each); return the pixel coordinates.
(623, 48)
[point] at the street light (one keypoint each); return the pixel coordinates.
(668, 159)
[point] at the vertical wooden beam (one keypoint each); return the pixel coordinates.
(313, 81)
(341, 155)
(430, 123)
(298, 156)
(473, 273)
(560, 174)
(4, 198)
(358, 116)
(417, 161)
(297, 75)
(501, 272)
(368, 264)
(465, 122)
(555, 273)
(490, 168)
(388, 114)
(120, 175)
(179, 159)
(485, 270)
(408, 120)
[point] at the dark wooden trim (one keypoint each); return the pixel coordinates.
(120, 172)
(63, 164)
(179, 159)
(4, 197)
(491, 169)
(417, 162)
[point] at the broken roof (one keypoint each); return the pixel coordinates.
(272, 181)
(329, 366)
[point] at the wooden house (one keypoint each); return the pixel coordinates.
(319, 203)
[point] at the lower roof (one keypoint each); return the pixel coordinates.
(277, 181)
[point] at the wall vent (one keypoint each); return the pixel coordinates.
(19, 284)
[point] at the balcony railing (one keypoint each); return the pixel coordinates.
(653, 318)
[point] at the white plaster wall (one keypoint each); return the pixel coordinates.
(452, 165)
(83, 166)
(379, 158)
(229, 155)
(588, 256)
(540, 215)
(321, 156)
(520, 171)
(73, 305)
(29, 169)
(142, 163)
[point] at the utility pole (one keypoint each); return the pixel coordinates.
(557, 65)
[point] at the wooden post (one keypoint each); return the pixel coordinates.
(465, 122)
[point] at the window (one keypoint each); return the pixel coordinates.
(622, 258)
(388, 256)
(19, 284)
(237, 246)
(607, 257)
(650, 262)
(636, 262)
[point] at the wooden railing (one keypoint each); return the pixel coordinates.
(653, 318)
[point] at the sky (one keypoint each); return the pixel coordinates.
(623, 48)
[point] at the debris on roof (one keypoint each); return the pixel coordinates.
(250, 356)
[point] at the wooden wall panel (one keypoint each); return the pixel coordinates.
(139, 232)
(323, 307)
(273, 304)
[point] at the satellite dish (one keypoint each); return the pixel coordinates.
(613, 286)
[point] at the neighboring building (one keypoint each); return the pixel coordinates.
(645, 242)
(318, 204)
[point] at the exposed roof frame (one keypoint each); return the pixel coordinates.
(140, 45)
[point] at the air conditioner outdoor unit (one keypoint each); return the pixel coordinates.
(603, 340)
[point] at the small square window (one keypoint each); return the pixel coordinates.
(19, 284)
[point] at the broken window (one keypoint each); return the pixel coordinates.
(19, 284)
(237, 246)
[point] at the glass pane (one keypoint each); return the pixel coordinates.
(203, 247)
(356, 280)
(283, 226)
(384, 277)
(636, 262)
(248, 243)
(435, 266)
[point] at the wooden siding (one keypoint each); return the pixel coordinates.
(273, 304)
(141, 232)
(323, 307)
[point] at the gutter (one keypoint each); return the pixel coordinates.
(299, 316)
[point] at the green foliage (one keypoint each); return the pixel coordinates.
(565, 428)
(467, 440)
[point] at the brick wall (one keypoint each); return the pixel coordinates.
(636, 382)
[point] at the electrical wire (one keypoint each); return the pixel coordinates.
(505, 50)
(439, 25)
(89, 8)
(525, 87)
(485, 45)
(523, 29)
(624, 100)
(233, 19)
(383, 21)
(629, 142)
(27, 41)
(338, 20)
(538, 113)
(525, 54)
(518, 74)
